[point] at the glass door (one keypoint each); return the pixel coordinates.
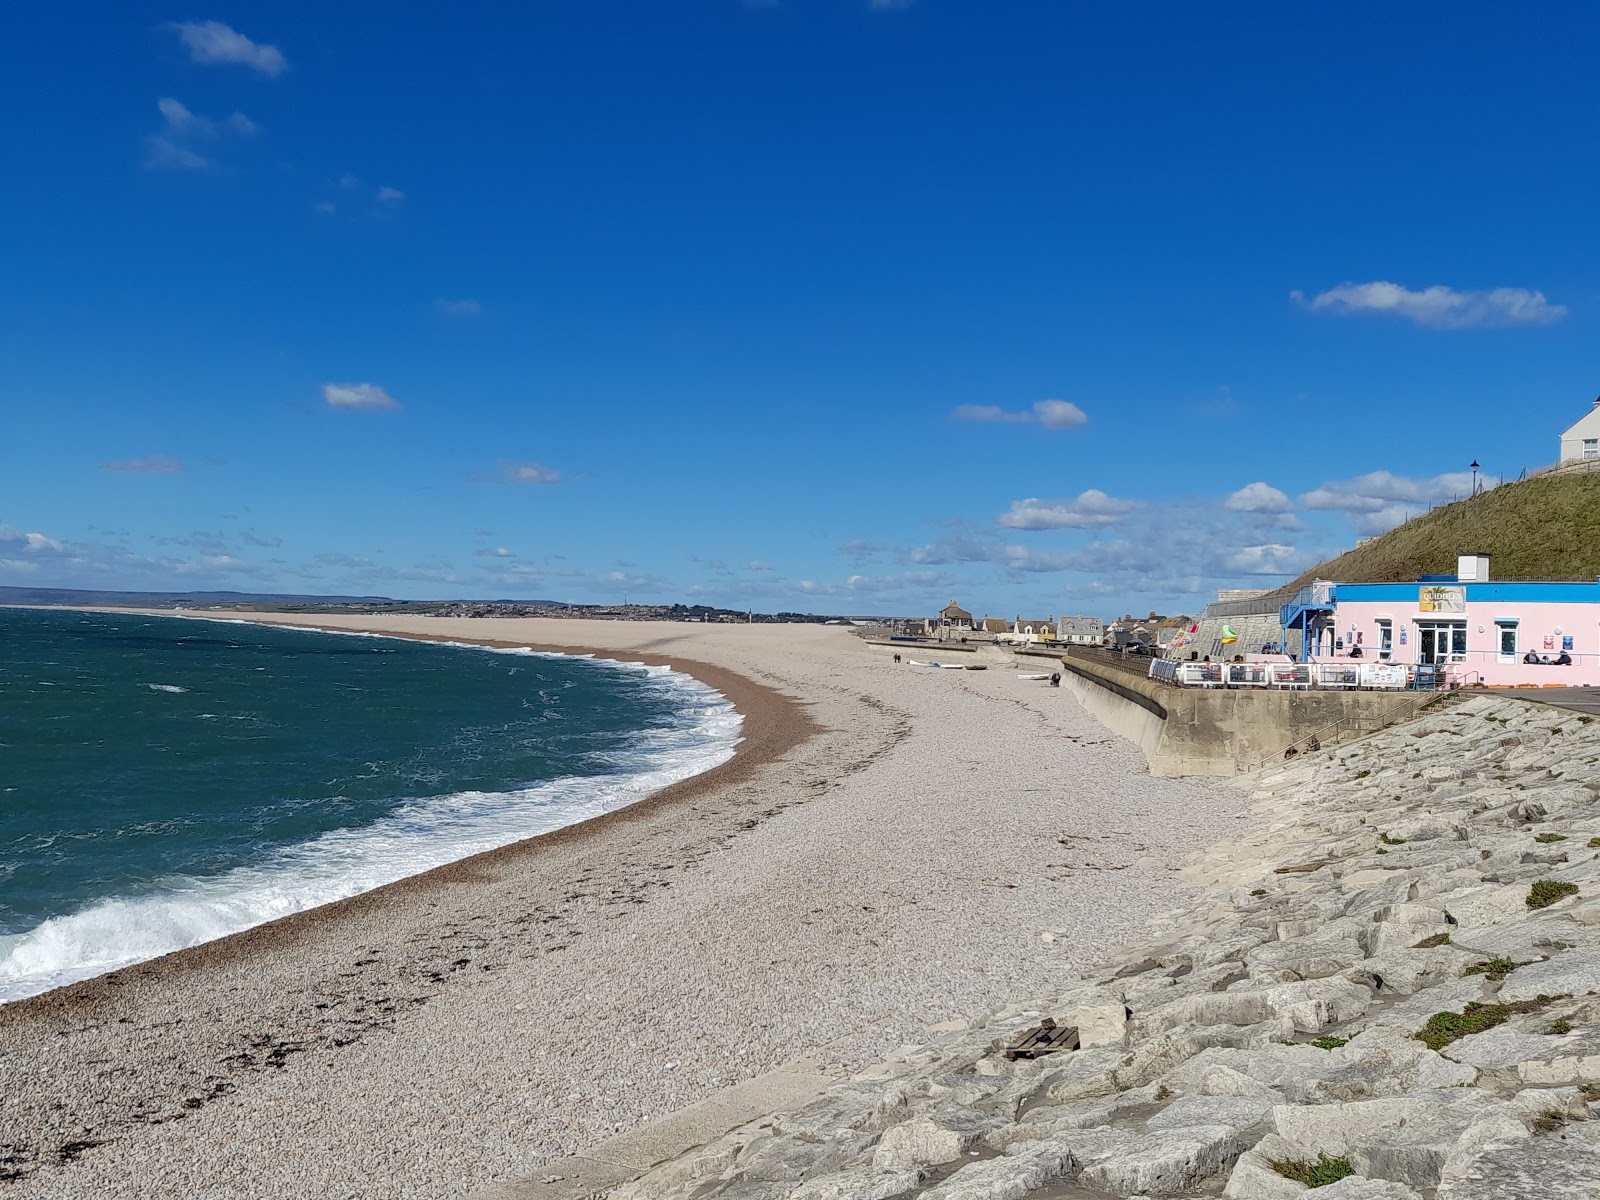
(1441, 642)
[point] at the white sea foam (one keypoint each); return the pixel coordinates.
(421, 834)
(165, 687)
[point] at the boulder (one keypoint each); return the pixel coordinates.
(1233, 1112)
(1253, 1177)
(1102, 1024)
(1487, 904)
(1405, 972)
(858, 1182)
(1358, 1187)
(1563, 1165)
(1575, 973)
(1023, 1168)
(1165, 1161)
(925, 1141)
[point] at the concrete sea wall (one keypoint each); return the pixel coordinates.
(1212, 731)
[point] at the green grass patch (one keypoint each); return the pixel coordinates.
(1558, 1027)
(1258, 891)
(1445, 1027)
(1391, 841)
(1381, 850)
(1428, 943)
(1318, 1174)
(1547, 891)
(1594, 843)
(1547, 838)
(1329, 1043)
(1495, 968)
(1540, 528)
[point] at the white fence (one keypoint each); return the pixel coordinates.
(1282, 675)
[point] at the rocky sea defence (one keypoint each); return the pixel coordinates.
(1387, 989)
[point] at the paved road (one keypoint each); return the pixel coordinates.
(1580, 699)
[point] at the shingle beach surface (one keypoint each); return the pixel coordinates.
(939, 844)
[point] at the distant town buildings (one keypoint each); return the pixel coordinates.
(955, 623)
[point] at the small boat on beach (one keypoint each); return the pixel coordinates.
(1033, 675)
(977, 666)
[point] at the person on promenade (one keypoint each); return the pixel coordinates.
(1563, 659)
(1531, 659)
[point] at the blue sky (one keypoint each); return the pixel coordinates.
(828, 305)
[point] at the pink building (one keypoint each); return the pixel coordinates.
(1463, 626)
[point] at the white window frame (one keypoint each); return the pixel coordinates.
(1591, 448)
(1501, 654)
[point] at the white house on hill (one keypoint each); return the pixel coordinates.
(1581, 443)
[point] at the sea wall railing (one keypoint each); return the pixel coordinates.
(1293, 676)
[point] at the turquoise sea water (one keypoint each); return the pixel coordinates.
(164, 782)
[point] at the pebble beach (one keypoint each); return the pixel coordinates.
(891, 848)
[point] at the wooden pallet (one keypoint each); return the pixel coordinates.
(1044, 1038)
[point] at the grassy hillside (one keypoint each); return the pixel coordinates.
(1543, 528)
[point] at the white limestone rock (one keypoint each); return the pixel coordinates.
(1020, 1170)
(926, 1141)
(859, 1182)
(1485, 905)
(1358, 1187)
(1253, 1177)
(1564, 1165)
(1165, 1162)
(1234, 1112)
(1575, 973)
(1102, 1024)
(1406, 972)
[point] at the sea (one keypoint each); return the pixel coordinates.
(168, 781)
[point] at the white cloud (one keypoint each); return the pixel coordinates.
(164, 154)
(1059, 414)
(389, 195)
(457, 308)
(1052, 414)
(357, 395)
(151, 464)
(1379, 500)
(213, 42)
(527, 472)
(1091, 509)
(173, 149)
(987, 412)
(755, 564)
(1438, 307)
(1259, 498)
(35, 542)
(1271, 558)
(325, 206)
(185, 121)
(1370, 492)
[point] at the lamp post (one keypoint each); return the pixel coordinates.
(1474, 477)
